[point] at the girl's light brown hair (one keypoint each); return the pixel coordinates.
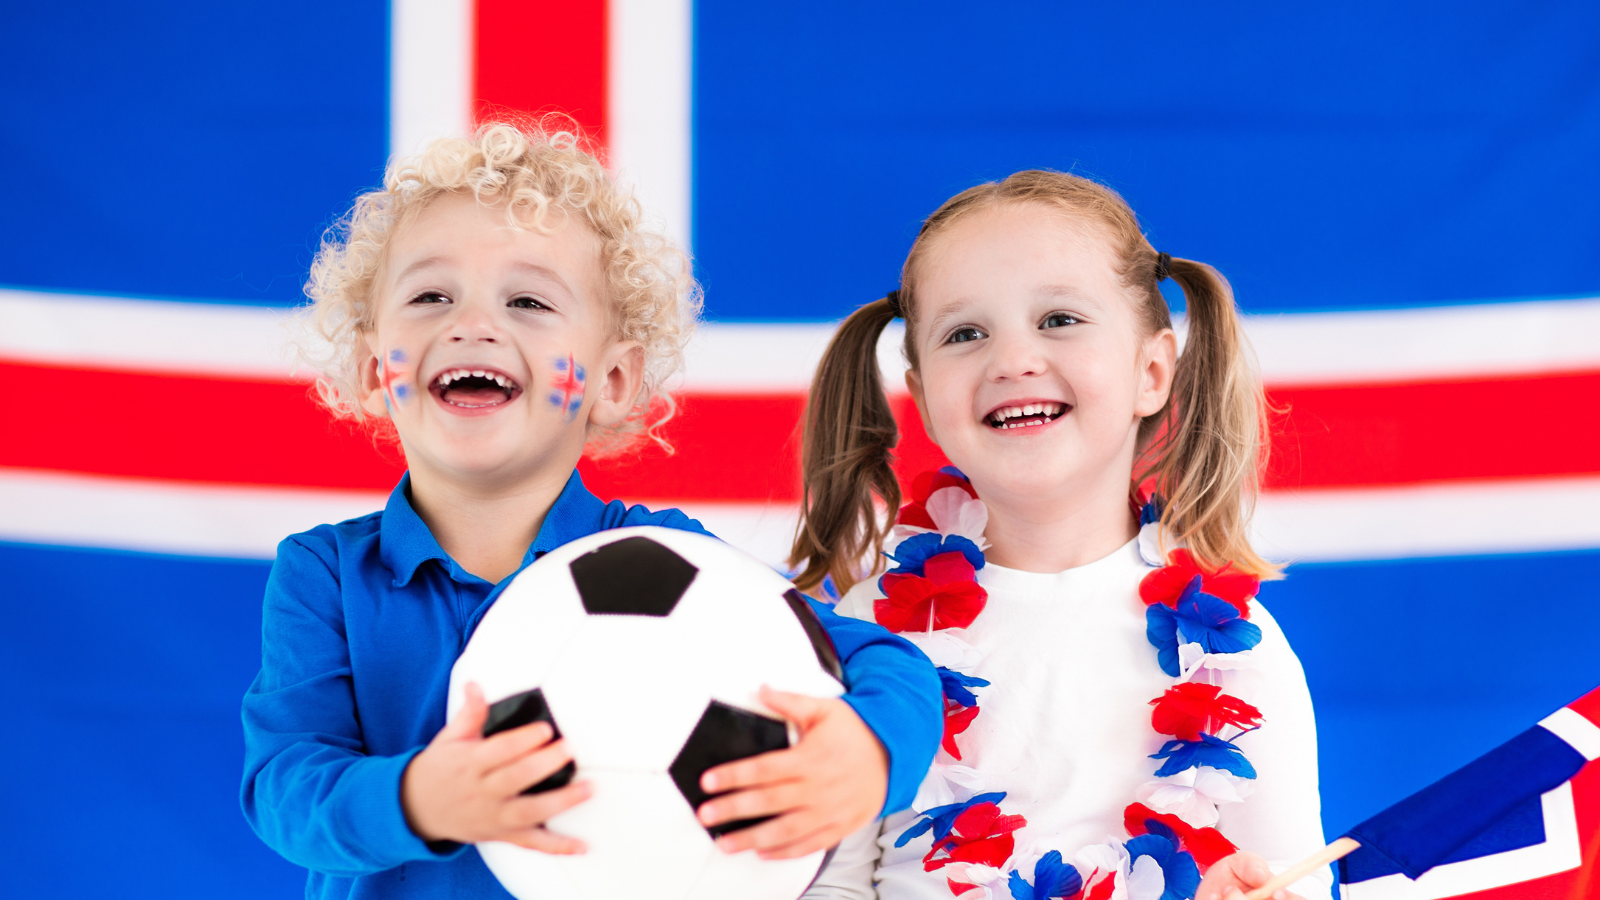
(1204, 449)
(543, 175)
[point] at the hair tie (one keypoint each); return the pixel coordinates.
(893, 299)
(1163, 266)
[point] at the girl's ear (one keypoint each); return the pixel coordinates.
(370, 380)
(1159, 359)
(621, 376)
(914, 385)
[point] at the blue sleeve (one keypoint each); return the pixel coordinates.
(310, 791)
(895, 690)
(892, 686)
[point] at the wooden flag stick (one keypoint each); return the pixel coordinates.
(1336, 850)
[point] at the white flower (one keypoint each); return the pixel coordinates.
(1150, 545)
(954, 511)
(1236, 673)
(1098, 862)
(947, 784)
(1146, 881)
(1194, 794)
(989, 881)
(900, 532)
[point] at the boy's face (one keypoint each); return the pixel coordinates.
(493, 348)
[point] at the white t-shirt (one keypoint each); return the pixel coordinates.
(1065, 729)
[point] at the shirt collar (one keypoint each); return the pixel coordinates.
(405, 542)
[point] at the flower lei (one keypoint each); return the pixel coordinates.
(1197, 618)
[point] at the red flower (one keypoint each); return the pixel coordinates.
(1165, 584)
(1206, 845)
(1188, 709)
(914, 513)
(946, 596)
(981, 834)
(957, 718)
(1103, 889)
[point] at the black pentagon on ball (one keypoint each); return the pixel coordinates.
(724, 734)
(632, 577)
(827, 654)
(525, 709)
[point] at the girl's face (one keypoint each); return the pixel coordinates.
(493, 348)
(1033, 372)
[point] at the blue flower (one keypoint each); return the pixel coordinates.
(1178, 868)
(1051, 878)
(1211, 622)
(942, 818)
(956, 686)
(1161, 630)
(1150, 512)
(952, 470)
(1210, 750)
(915, 551)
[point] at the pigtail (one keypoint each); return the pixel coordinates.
(846, 458)
(1206, 449)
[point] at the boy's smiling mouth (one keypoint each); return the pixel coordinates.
(1025, 415)
(474, 388)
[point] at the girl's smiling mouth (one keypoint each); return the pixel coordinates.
(1025, 415)
(473, 388)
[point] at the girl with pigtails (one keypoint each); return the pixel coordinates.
(1124, 720)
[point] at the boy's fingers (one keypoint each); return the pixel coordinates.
(508, 746)
(545, 841)
(779, 765)
(769, 800)
(785, 837)
(521, 773)
(524, 813)
(800, 709)
(469, 719)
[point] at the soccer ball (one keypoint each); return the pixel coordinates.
(645, 648)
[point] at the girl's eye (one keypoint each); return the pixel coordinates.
(1057, 320)
(526, 303)
(963, 335)
(430, 297)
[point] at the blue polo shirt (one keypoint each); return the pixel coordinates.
(361, 624)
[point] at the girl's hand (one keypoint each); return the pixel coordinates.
(466, 788)
(1233, 875)
(823, 788)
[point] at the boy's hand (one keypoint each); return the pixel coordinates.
(466, 788)
(823, 788)
(1233, 875)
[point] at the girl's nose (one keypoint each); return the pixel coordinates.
(1013, 357)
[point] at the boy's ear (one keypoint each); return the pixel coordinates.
(369, 382)
(620, 377)
(914, 385)
(1160, 358)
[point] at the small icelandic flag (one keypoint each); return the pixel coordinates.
(1520, 822)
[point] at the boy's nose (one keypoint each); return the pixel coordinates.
(474, 325)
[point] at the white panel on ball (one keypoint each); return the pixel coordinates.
(627, 694)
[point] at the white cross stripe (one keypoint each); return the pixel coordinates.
(1582, 734)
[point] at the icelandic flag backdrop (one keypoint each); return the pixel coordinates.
(1402, 193)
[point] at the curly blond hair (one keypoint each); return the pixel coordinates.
(534, 170)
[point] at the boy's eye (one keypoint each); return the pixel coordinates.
(430, 297)
(526, 303)
(1057, 320)
(963, 335)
